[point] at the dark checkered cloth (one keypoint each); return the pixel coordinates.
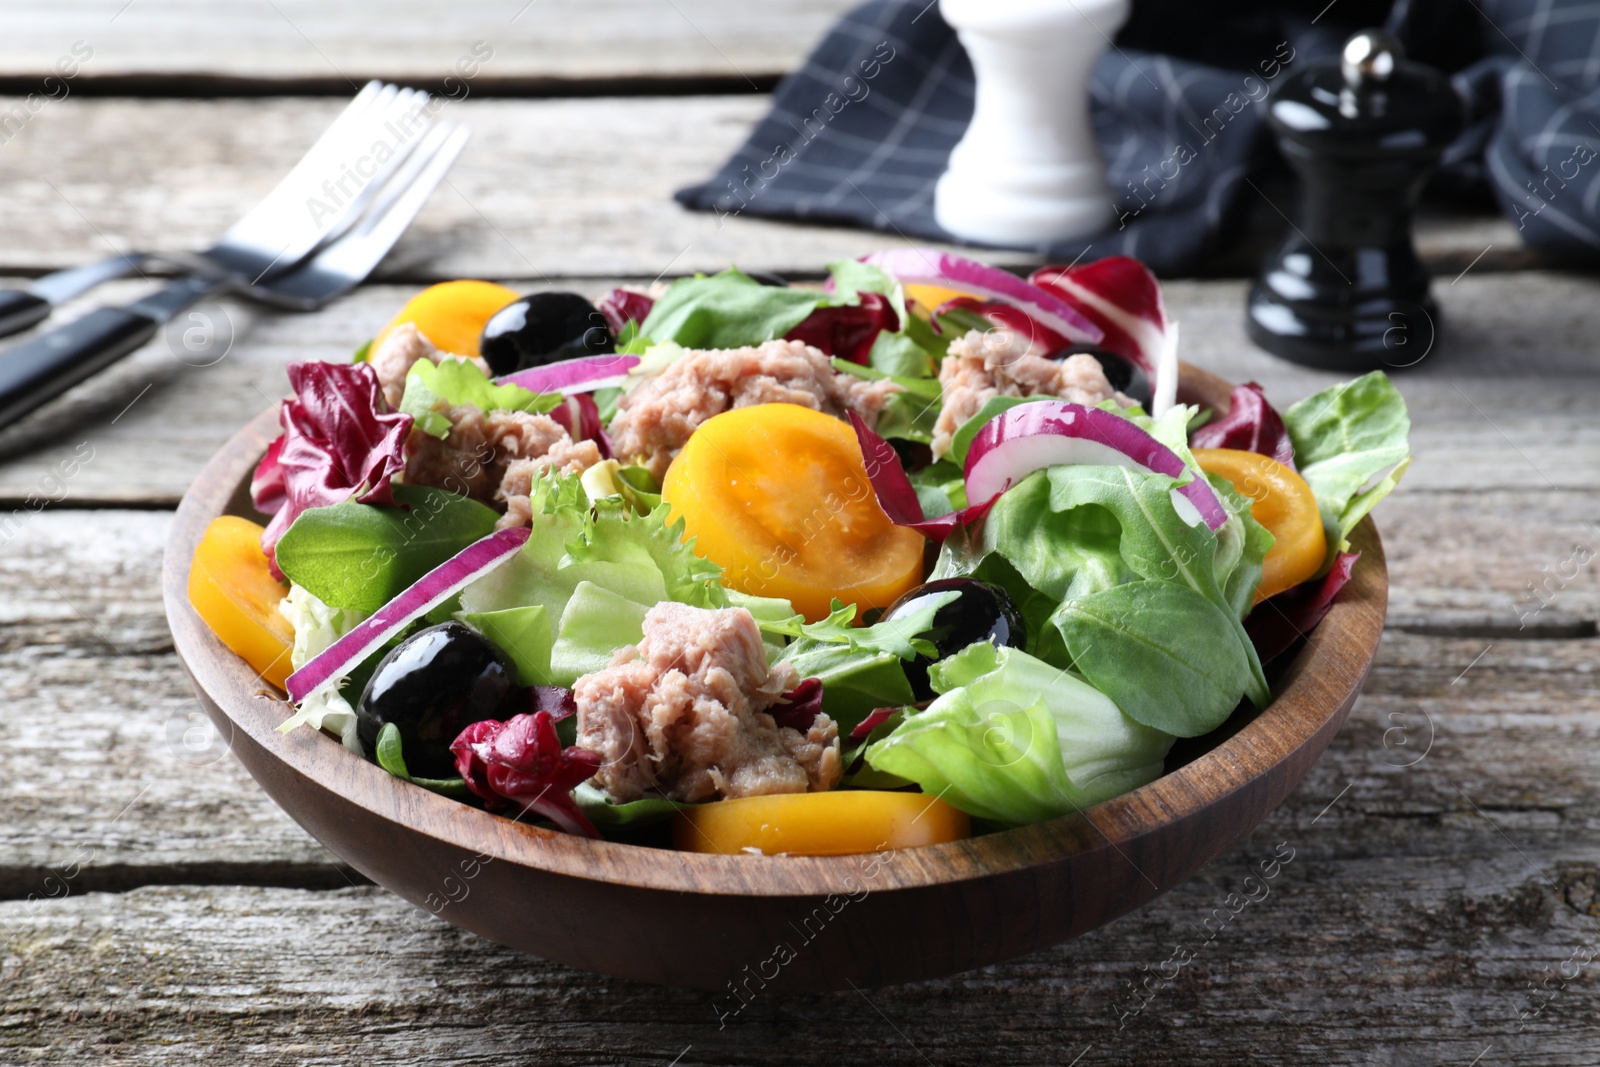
(860, 134)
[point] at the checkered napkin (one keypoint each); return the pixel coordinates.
(860, 134)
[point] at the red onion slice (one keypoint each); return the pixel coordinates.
(582, 375)
(1049, 433)
(925, 266)
(898, 497)
(429, 591)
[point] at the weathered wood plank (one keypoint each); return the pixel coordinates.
(554, 188)
(1337, 961)
(1504, 402)
(297, 43)
(101, 747)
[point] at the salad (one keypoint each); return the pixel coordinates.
(738, 566)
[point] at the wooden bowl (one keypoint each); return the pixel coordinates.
(753, 923)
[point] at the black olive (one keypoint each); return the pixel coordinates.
(544, 328)
(431, 686)
(766, 277)
(982, 612)
(1125, 376)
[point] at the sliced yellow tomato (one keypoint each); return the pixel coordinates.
(452, 314)
(236, 595)
(839, 823)
(929, 297)
(778, 496)
(1284, 504)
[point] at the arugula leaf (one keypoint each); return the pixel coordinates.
(1162, 651)
(727, 310)
(961, 440)
(909, 414)
(1345, 437)
(358, 557)
(608, 814)
(391, 758)
(432, 386)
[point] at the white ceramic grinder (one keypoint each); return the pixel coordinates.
(1028, 170)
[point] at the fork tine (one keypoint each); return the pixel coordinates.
(316, 203)
(334, 135)
(343, 265)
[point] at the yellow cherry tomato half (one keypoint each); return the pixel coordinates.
(778, 496)
(1284, 504)
(929, 297)
(235, 594)
(839, 823)
(452, 314)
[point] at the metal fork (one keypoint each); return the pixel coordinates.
(284, 228)
(48, 365)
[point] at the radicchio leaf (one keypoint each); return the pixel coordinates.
(896, 495)
(580, 417)
(847, 332)
(621, 306)
(875, 719)
(340, 441)
(800, 706)
(1008, 317)
(1119, 295)
(266, 486)
(1277, 623)
(1251, 425)
(520, 763)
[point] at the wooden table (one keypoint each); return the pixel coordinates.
(1443, 903)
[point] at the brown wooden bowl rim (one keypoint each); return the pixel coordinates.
(1314, 685)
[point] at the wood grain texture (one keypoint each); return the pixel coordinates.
(701, 916)
(1503, 404)
(81, 627)
(1346, 961)
(293, 44)
(554, 188)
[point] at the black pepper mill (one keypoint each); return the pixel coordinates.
(1346, 291)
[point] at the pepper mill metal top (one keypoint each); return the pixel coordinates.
(1363, 133)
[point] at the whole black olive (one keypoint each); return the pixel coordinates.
(1125, 376)
(766, 277)
(982, 612)
(433, 685)
(544, 328)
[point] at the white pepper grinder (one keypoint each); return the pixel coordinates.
(1028, 169)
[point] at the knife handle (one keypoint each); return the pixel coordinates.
(46, 366)
(20, 309)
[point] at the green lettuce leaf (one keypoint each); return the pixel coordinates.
(1162, 651)
(522, 633)
(1242, 545)
(358, 557)
(1073, 531)
(727, 310)
(594, 625)
(431, 387)
(899, 637)
(1351, 446)
(1015, 740)
(626, 559)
